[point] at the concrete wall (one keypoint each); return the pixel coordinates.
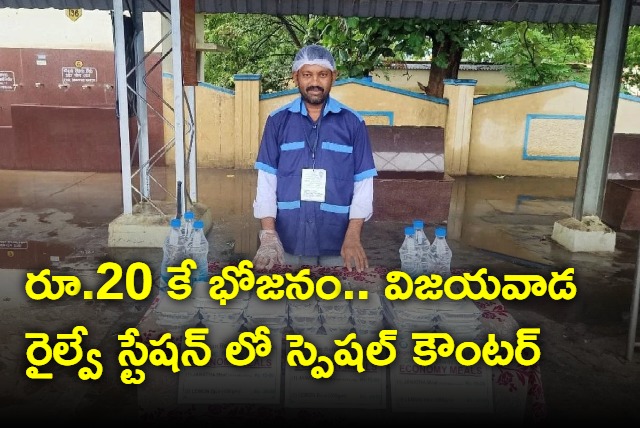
(230, 123)
(533, 132)
(92, 31)
(44, 113)
(538, 131)
(78, 88)
(491, 79)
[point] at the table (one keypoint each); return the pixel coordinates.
(517, 390)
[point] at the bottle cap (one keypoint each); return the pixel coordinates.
(189, 215)
(441, 231)
(198, 224)
(418, 224)
(175, 222)
(409, 230)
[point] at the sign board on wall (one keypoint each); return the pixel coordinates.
(7, 81)
(73, 14)
(82, 75)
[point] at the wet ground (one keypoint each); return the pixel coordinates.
(60, 220)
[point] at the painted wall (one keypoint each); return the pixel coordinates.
(92, 31)
(66, 69)
(533, 132)
(78, 86)
(538, 131)
(226, 116)
(215, 126)
(491, 79)
(215, 133)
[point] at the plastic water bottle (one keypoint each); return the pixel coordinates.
(441, 254)
(199, 252)
(422, 246)
(408, 253)
(173, 252)
(187, 229)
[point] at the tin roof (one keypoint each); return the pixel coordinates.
(566, 11)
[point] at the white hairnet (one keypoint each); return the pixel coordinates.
(314, 55)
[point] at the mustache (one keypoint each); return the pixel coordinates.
(317, 88)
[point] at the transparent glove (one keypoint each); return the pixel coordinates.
(270, 252)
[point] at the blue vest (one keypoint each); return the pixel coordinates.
(338, 143)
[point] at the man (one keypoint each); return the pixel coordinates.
(315, 174)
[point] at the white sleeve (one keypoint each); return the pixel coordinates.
(265, 203)
(362, 203)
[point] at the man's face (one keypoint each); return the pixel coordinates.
(314, 83)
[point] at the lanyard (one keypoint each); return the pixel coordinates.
(313, 147)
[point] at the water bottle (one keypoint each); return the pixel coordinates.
(422, 247)
(187, 229)
(441, 254)
(173, 252)
(199, 252)
(408, 254)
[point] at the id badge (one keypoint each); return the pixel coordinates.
(314, 183)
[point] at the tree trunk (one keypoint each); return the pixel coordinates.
(453, 52)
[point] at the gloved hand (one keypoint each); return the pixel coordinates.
(270, 252)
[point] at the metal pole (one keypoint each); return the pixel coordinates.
(193, 164)
(178, 106)
(602, 106)
(123, 108)
(633, 323)
(141, 89)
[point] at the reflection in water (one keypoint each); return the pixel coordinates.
(485, 212)
(509, 216)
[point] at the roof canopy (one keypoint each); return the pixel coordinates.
(567, 11)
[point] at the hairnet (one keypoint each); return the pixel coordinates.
(314, 55)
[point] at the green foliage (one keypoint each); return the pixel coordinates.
(631, 71)
(358, 44)
(537, 54)
(363, 44)
(254, 44)
(533, 54)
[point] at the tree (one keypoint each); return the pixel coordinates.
(258, 43)
(358, 44)
(631, 72)
(449, 39)
(533, 54)
(537, 54)
(361, 44)
(253, 44)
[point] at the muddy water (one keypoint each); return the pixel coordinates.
(485, 212)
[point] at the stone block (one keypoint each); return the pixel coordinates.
(148, 228)
(588, 235)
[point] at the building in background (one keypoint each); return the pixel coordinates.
(57, 90)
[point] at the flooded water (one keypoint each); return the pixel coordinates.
(67, 214)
